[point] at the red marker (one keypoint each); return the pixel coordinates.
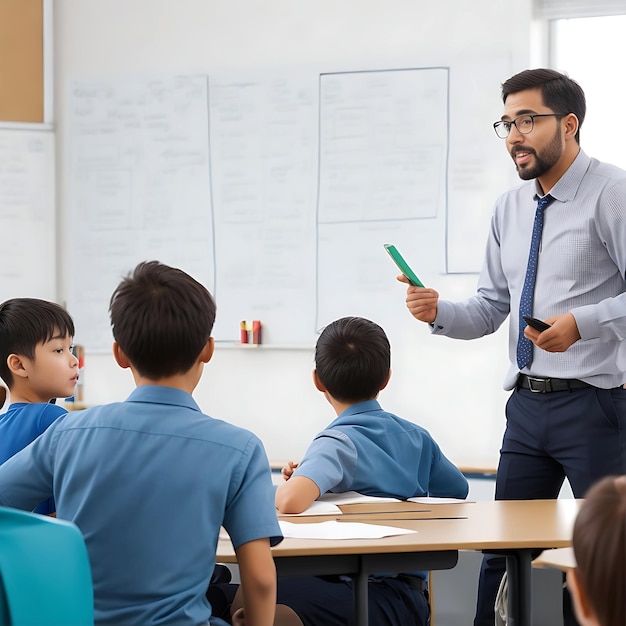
(256, 332)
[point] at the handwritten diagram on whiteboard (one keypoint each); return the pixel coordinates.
(383, 171)
(139, 189)
(276, 191)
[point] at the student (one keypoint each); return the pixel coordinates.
(151, 480)
(37, 364)
(368, 450)
(598, 582)
(556, 251)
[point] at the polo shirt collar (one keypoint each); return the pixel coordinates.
(159, 394)
(360, 407)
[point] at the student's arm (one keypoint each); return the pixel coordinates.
(446, 479)
(329, 463)
(258, 582)
(296, 495)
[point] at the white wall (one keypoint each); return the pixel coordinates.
(452, 388)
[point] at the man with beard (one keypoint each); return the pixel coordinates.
(566, 416)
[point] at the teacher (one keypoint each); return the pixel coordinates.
(556, 251)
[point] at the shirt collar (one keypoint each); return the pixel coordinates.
(567, 186)
(360, 407)
(158, 394)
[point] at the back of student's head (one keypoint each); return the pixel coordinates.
(162, 319)
(352, 359)
(600, 549)
(559, 92)
(25, 323)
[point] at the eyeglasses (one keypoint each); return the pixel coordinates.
(523, 123)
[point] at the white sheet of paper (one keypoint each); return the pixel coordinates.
(432, 500)
(352, 497)
(319, 507)
(340, 530)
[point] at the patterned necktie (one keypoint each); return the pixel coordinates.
(525, 346)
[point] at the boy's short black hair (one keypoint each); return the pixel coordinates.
(162, 319)
(352, 359)
(25, 323)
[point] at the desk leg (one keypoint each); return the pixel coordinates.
(519, 573)
(359, 582)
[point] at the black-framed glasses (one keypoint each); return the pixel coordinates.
(523, 123)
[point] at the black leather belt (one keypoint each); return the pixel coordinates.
(546, 385)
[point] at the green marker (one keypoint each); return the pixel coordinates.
(403, 265)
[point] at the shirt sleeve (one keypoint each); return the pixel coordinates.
(49, 414)
(485, 312)
(446, 479)
(251, 512)
(26, 478)
(330, 462)
(606, 320)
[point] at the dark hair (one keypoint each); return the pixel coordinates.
(161, 318)
(559, 92)
(24, 324)
(352, 359)
(600, 549)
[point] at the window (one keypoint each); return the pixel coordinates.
(592, 50)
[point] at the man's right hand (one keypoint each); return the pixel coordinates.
(421, 301)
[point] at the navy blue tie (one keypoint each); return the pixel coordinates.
(525, 346)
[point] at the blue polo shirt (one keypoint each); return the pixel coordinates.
(22, 423)
(149, 482)
(380, 454)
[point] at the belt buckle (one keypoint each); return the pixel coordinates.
(543, 384)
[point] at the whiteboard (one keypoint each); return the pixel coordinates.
(139, 189)
(27, 215)
(275, 189)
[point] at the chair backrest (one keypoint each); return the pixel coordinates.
(45, 577)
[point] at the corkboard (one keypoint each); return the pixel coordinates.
(21, 61)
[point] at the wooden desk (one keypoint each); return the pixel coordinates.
(512, 528)
(559, 558)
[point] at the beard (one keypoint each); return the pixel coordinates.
(544, 160)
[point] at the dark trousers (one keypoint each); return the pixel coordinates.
(579, 435)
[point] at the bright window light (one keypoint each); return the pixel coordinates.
(592, 52)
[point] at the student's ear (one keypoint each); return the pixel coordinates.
(571, 126)
(207, 352)
(584, 612)
(120, 358)
(318, 383)
(16, 365)
(386, 381)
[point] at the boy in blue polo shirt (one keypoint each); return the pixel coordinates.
(37, 364)
(370, 451)
(151, 480)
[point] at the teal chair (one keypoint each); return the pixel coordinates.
(45, 577)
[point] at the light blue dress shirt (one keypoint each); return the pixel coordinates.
(149, 482)
(581, 269)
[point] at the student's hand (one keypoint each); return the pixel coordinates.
(562, 334)
(287, 471)
(421, 301)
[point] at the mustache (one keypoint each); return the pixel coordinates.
(515, 149)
